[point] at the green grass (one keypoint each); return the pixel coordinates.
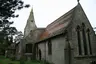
(4, 60)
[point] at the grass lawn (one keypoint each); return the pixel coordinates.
(4, 60)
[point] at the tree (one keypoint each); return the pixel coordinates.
(8, 8)
(6, 34)
(7, 11)
(18, 37)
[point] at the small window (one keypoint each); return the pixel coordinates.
(83, 25)
(49, 47)
(31, 20)
(28, 48)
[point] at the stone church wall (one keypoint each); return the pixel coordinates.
(79, 18)
(58, 52)
(58, 45)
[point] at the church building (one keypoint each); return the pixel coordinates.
(70, 39)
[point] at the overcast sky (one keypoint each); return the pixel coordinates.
(46, 11)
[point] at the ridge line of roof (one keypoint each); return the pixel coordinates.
(66, 14)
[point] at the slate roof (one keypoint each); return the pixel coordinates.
(58, 26)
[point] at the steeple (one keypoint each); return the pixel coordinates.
(30, 24)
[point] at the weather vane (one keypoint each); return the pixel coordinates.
(78, 1)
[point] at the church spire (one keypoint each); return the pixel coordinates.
(30, 24)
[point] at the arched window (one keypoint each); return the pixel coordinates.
(79, 40)
(89, 41)
(39, 54)
(36, 50)
(84, 39)
(49, 47)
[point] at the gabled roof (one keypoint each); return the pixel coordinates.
(58, 26)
